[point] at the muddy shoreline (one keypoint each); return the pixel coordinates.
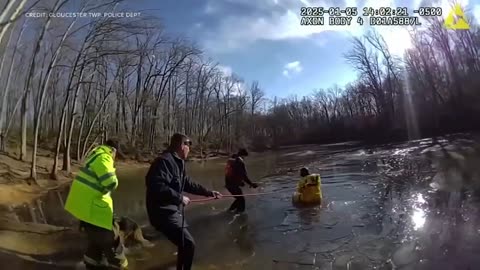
(31, 212)
(26, 212)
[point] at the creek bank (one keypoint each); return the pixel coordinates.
(351, 176)
(16, 187)
(35, 212)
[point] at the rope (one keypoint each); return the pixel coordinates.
(242, 195)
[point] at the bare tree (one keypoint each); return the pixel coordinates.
(3, 108)
(132, 80)
(6, 19)
(30, 75)
(256, 97)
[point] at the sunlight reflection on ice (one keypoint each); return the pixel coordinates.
(418, 216)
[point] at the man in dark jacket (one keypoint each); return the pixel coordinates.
(165, 181)
(236, 177)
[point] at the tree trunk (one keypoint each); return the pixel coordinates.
(10, 121)
(30, 76)
(85, 142)
(23, 123)
(3, 107)
(39, 107)
(66, 154)
(54, 173)
(4, 15)
(82, 122)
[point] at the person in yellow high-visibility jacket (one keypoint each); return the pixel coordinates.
(309, 189)
(89, 201)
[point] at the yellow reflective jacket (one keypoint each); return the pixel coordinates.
(89, 198)
(310, 188)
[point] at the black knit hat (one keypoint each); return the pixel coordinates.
(242, 152)
(304, 171)
(114, 143)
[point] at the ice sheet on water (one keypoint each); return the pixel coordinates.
(289, 220)
(406, 254)
(450, 180)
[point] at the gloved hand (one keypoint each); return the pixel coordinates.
(253, 185)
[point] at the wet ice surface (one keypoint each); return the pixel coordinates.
(386, 207)
(380, 212)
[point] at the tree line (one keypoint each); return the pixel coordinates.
(69, 83)
(432, 89)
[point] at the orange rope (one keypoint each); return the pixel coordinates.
(244, 195)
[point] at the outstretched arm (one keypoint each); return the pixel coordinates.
(243, 172)
(195, 188)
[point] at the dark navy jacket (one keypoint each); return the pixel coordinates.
(165, 181)
(236, 172)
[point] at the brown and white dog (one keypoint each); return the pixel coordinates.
(129, 232)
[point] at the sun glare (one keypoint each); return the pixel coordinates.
(398, 40)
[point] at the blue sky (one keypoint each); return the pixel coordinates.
(263, 39)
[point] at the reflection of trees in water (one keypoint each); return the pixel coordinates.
(451, 214)
(233, 236)
(454, 208)
(450, 239)
(401, 176)
(243, 237)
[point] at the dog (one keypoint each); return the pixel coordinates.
(129, 232)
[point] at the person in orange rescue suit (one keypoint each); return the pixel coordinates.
(309, 188)
(89, 200)
(236, 177)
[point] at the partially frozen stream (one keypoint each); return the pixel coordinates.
(386, 207)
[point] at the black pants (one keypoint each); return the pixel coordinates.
(239, 203)
(171, 227)
(102, 242)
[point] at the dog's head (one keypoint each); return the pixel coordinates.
(130, 232)
(127, 225)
